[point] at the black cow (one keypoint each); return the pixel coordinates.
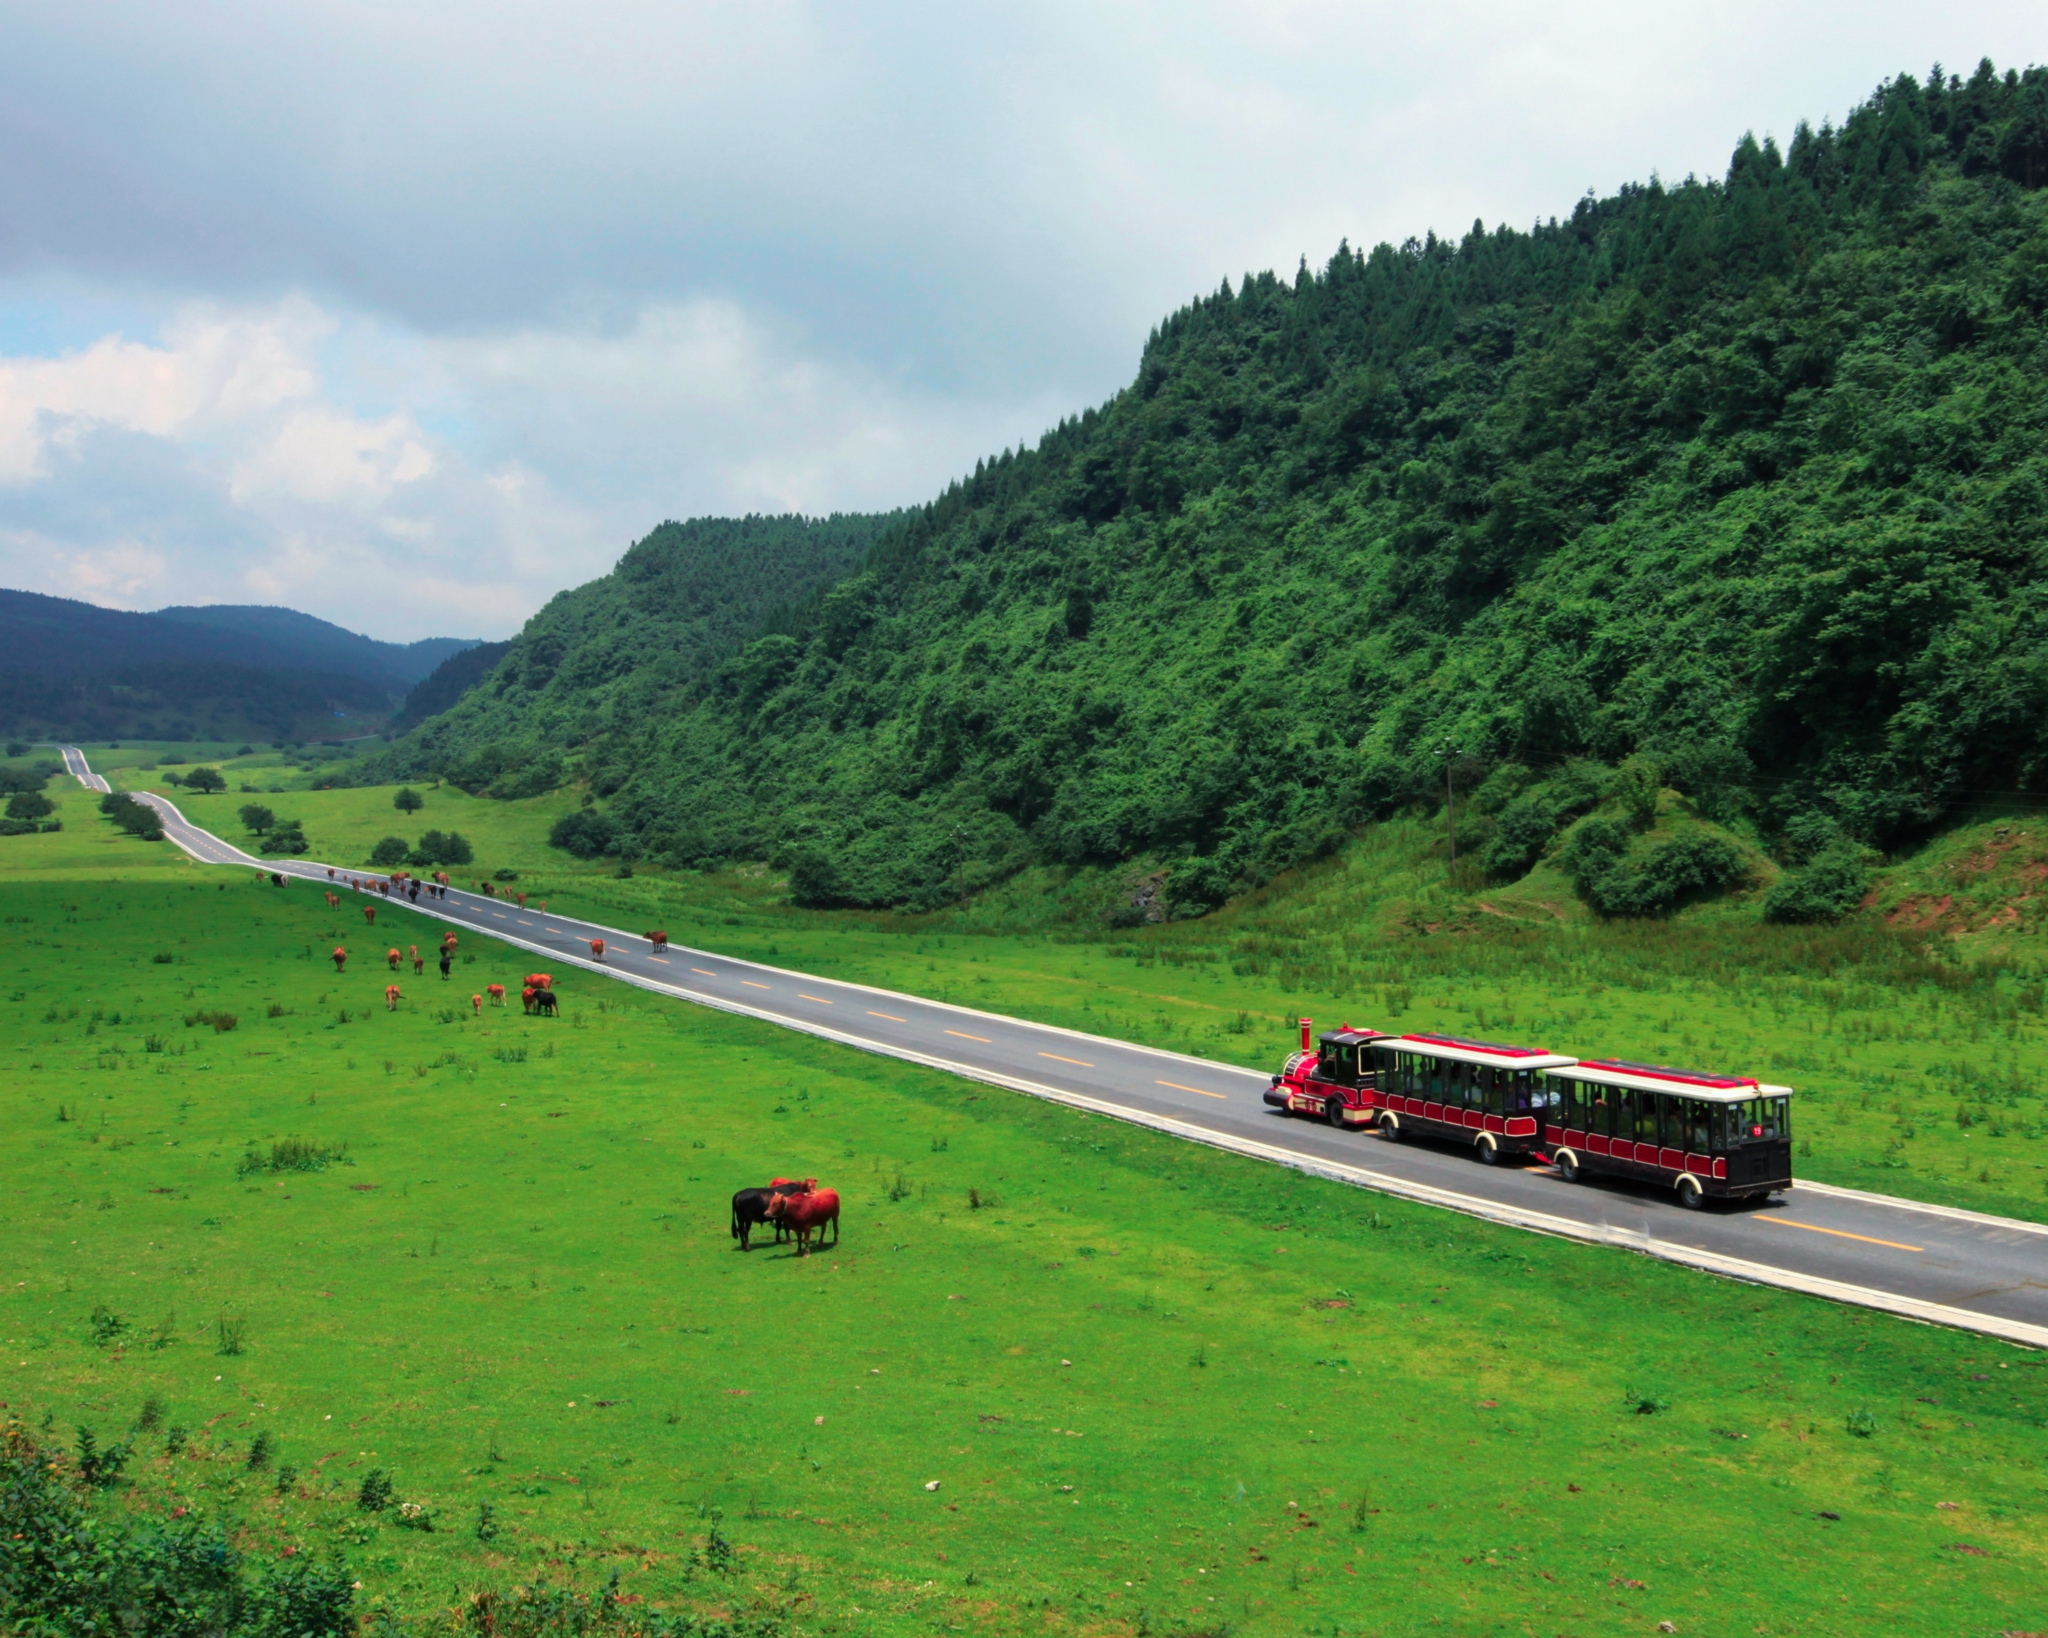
(546, 1001)
(750, 1210)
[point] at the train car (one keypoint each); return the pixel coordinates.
(1488, 1096)
(1706, 1136)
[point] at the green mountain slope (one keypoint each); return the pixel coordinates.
(1744, 478)
(600, 664)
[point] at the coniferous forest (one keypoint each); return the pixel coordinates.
(1742, 478)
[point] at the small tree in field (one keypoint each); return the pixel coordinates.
(207, 781)
(256, 817)
(408, 800)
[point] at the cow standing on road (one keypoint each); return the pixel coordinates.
(597, 949)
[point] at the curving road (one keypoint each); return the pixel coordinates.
(1932, 1263)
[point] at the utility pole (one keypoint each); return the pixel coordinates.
(1450, 753)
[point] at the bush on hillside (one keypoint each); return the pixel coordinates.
(408, 800)
(138, 819)
(1653, 879)
(1830, 886)
(1527, 824)
(585, 833)
(392, 850)
(256, 817)
(442, 847)
(30, 805)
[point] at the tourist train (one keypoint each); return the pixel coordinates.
(1706, 1137)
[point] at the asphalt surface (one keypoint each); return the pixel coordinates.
(1927, 1262)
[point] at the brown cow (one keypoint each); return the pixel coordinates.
(392, 958)
(390, 997)
(330, 872)
(658, 940)
(541, 981)
(370, 914)
(526, 998)
(448, 942)
(333, 903)
(522, 901)
(807, 1213)
(419, 962)
(340, 958)
(597, 949)
(476, 1003)
(497, 994)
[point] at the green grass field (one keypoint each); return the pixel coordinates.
(1161, 1390)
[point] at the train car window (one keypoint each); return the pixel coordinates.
(1649, 1116)
(1433, 1078)
(1499, 1089)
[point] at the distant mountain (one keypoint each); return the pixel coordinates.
(449, 681)
(225, 672)
(601, 666)
(319, 644)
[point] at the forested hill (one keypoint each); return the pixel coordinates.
(1746, 475)
(600, 665)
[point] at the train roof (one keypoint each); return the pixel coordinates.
(1690, 1083)
(1459, 1050)
(1347, 1036)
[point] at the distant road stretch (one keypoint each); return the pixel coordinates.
(1932, 1263)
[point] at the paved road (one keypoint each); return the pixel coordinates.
(1928, 1262)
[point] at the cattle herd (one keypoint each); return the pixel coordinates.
(794, 1208)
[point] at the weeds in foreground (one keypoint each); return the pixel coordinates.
(230, 1335)
(293, 1155)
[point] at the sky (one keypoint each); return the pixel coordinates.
(413, 315)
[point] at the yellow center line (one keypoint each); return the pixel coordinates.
(888, 1015)
(817, 998)
(1839, 1234)
(750, 984)
(983, 1039)
(555, 930)
(1198, 1092)
(662, 959)
(1056, 1058)
(706, 971)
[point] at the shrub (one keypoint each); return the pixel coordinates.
(1653, 880)
(287, 837)
(107, 1326)
(222, 1022)
(29, 805)
(101, 1468)
(375, 1492)
(442, 847)
(583, 834)
(1828, 888)
(292, 1155)
(256, 817)
(408, 800)
(229, 1335)
(392, 850)
(261, 1449)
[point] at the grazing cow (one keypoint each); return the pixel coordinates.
(276, 880)
(547, 1001)
(497, 994)
(808, 1213)
(597, 949)
(658, 940)
(476, 1005)
(340, 958)
(541, 981)
(526, 998)
(447, 961)
(370, 914)
(522, 901)
(392, 958)
(750, 1209)
(333, 903)
(390, 997)
(419, 962)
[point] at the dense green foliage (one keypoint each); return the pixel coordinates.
(1741, 478)
(67, 1573)
(601, 663)
(448, 682)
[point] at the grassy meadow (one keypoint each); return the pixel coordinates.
(1915, 1035)
(1159, 1390)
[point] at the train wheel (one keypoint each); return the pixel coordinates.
(1568, 1168)
(1690, 1195)
(1333, 1112)
(1488, 1151)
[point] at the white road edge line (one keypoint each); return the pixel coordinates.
(1735, 1268)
